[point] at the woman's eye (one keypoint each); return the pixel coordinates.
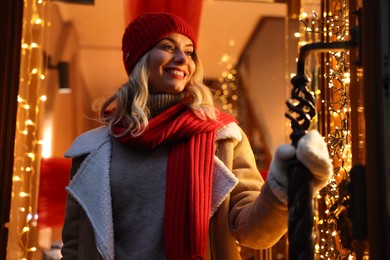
(190, 53)
(168, 47)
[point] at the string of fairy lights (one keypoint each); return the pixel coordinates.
(227, 95)
(22, 242)
(331, 222)
(226, 91)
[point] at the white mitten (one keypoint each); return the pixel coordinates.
(277, 174)
(312, 152)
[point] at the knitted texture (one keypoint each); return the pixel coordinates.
(312, 152)
(189, 175)
(158, 103)
(145, 31)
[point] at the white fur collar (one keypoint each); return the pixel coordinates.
(231, 130)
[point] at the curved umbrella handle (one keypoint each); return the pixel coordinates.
(301, 107)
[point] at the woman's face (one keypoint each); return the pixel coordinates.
(171, 64)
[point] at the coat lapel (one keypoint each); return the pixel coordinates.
(90, 187)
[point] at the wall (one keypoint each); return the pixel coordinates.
(262, 73)
(67, 113)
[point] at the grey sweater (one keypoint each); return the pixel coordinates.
(138, 193)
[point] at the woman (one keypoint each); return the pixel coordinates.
(170, 176)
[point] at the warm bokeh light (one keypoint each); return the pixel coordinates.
(336, 80)
(22, 241)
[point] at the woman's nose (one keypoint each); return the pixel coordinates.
(180, 57)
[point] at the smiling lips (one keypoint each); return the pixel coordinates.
(176, 73)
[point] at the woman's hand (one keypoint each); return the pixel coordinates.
(311, 152)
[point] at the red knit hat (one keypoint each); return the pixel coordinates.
(145, 31)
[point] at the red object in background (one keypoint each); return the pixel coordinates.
(263, 173)
(189, 10)
(52, 194)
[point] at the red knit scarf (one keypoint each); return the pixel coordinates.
(189, 176)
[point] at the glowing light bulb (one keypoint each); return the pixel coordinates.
(16, 178)
(25, 229)
(23, 194)
(31, 155)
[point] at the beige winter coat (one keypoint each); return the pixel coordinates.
(246, 216)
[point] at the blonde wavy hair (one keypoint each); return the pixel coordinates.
(131, 99)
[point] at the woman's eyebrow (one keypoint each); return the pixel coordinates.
(190, 44)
